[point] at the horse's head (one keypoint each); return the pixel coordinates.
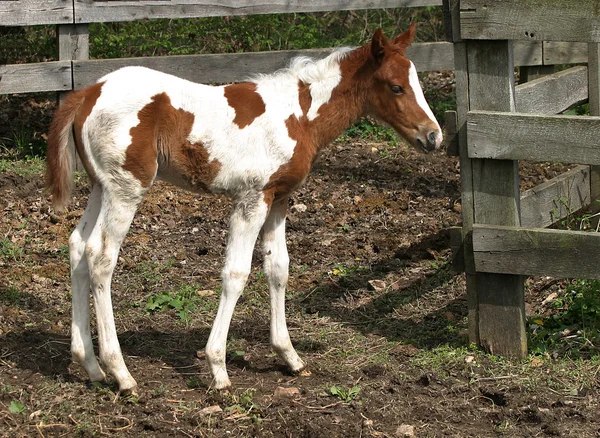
(397, 97)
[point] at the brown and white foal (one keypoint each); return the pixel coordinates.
(254, 141)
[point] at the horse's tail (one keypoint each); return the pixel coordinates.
(60, 157)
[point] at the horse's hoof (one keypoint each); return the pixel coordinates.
(126, 392)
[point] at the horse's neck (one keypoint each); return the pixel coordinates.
(348, 100)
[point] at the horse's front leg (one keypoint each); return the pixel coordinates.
(245, 223)
(276, 266)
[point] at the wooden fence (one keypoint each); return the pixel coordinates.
(502, 236)
(74, 69)
(495, 124)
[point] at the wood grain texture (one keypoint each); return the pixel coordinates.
(32, 12)
(29, 78)
(556, 52)
(594, 99)
(556, 199)
(540, 20)
(554, 93)
(235, 67)
(534, 251)
(496, 301)
(89, 11)
(510, 136)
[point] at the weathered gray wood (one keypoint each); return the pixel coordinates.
(556, 199)
(432, 56)
(235, 67)
(30, 78)
(73, 43)
(594, 99)
(528, 73)
(534, 251)
(506, 136)
(451, 11)
(500, 299)
(31, 12)
(541, 20)
(556, 53)
(450, 134)
(528, 52)
(89, 11)
(466, 177)
(218, 68)
(553, 94)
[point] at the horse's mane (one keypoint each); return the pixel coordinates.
(309, 70)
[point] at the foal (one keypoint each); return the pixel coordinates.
(254, 141)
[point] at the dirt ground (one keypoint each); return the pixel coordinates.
(373, 307)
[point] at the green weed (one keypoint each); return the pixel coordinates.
(574, 327)
(16, 407)
(184, 301)
(242, 403)
(368, 129)
(344, 394)
(10, 251)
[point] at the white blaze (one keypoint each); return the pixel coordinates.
(413, 79)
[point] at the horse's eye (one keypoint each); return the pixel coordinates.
(397, 89)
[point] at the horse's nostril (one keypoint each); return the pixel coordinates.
(432, 137)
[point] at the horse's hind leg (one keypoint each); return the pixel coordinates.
(82, 349)
(102, 250)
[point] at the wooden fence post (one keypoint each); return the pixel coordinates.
(500, 298)
(452, 12)
(73, 44)
(594, 99)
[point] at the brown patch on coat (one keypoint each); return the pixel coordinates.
(290, 175)
(71, 115)
(246, 102)
(162, 136)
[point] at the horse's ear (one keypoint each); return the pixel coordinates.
(378, 44)
(404, 39)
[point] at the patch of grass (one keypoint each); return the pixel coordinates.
(10, 251)
(368, 129)
(10, 295)
(341, 270)
(28, 166)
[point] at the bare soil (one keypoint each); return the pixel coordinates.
(373, 304)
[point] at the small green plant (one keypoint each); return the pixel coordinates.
(368, 129)
(10, 251)
(16, 407)
(242, 403)
(574, 327)
(345, 395)
(10, 295)
(182, 301)
(193, 382)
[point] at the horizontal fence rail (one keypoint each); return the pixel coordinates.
(32, 12)
(514, 136)
(554, 93)
(89, 11)
(426, 56)
(541, 20)
(534, 251)
(235, 67)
